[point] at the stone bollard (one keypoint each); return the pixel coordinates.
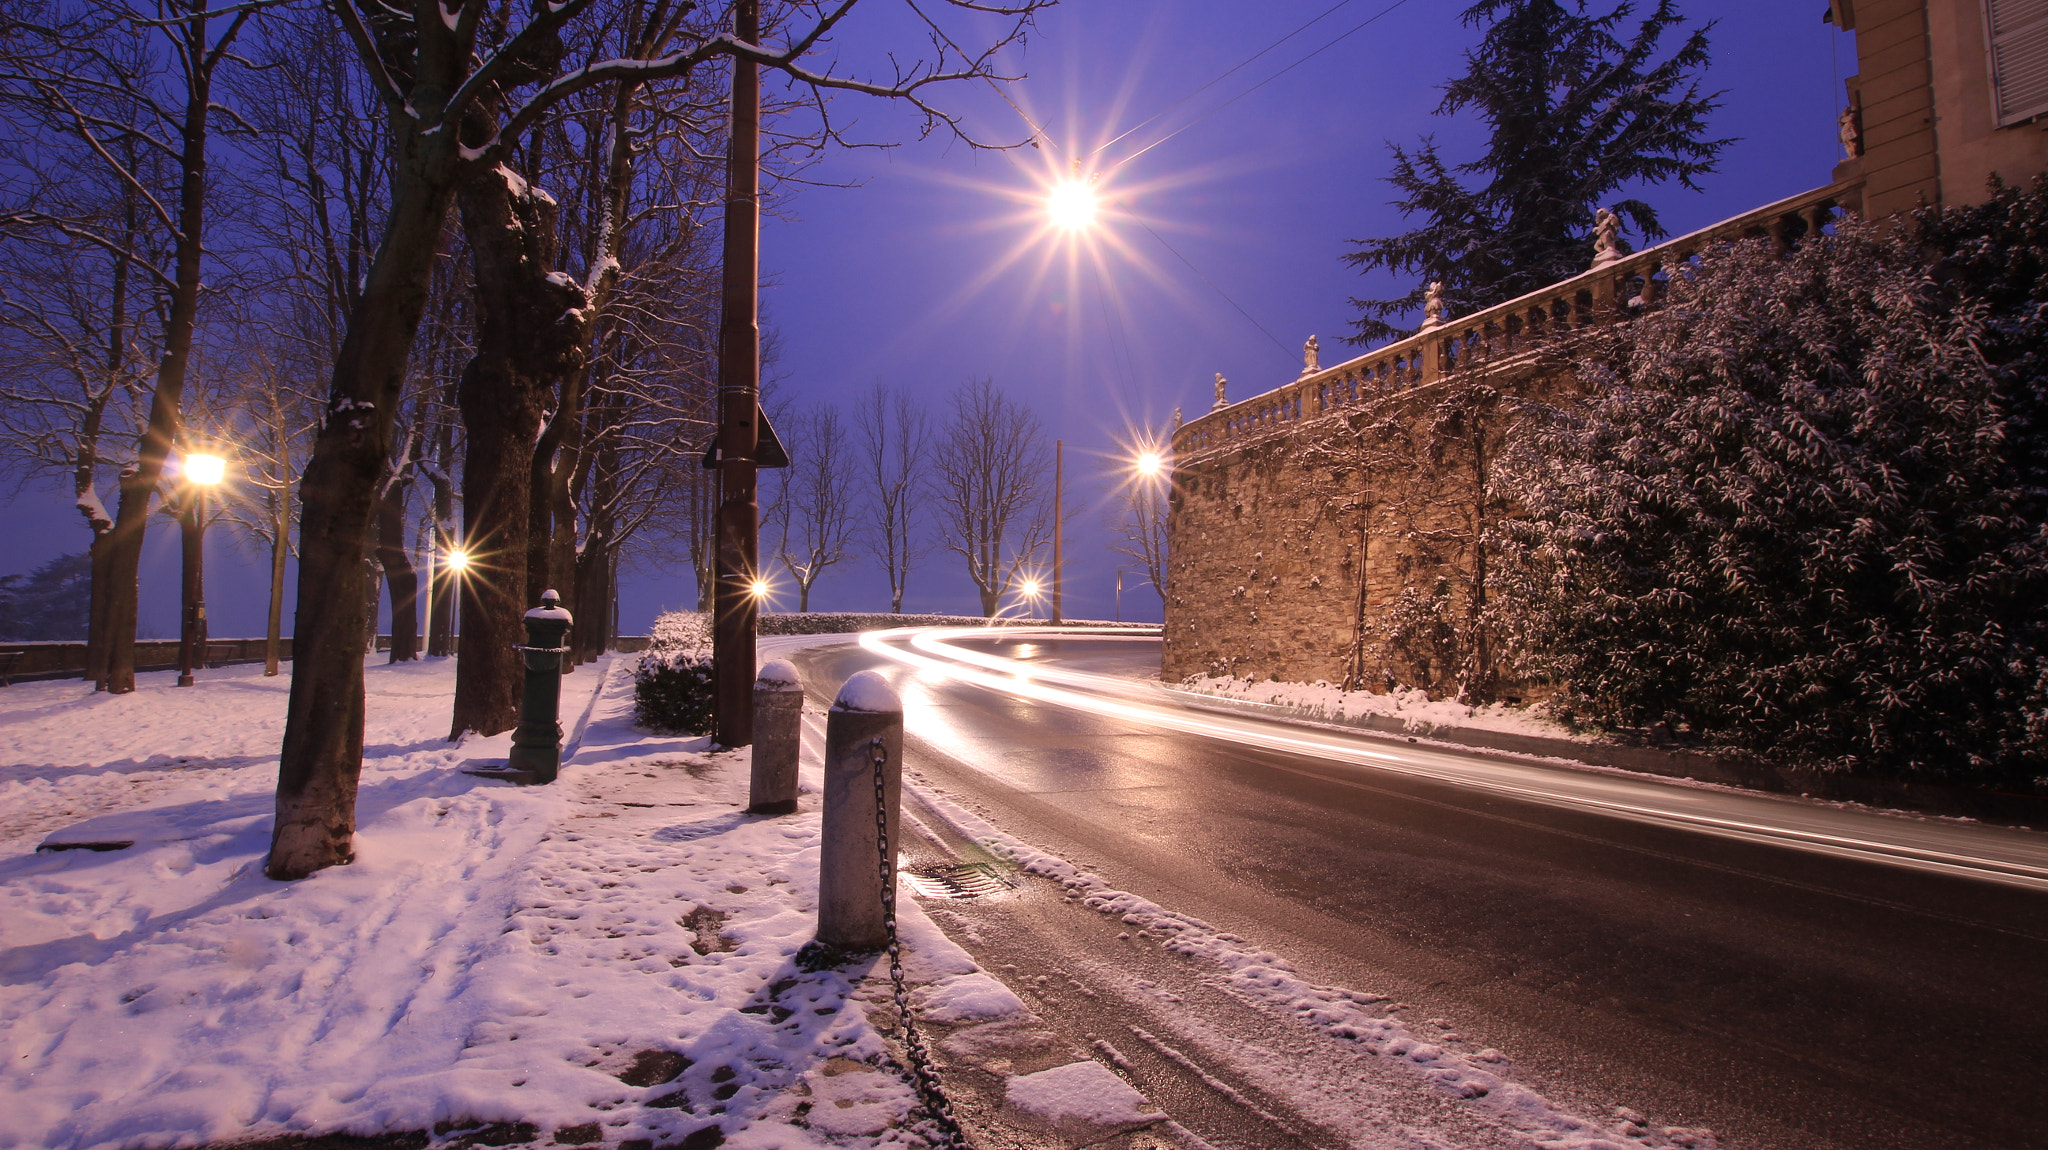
(852, 874)
(778, 729)
(537, 743)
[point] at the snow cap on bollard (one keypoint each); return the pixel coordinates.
(550, 608)
(868, 691)
(778, 675)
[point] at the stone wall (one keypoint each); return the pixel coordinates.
(1271, 536)
(1329, 528)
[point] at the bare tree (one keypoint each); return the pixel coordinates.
(990, 468)
(268, 413)
(895, 442)
(128, 91)
(818, 520)
(71, 385)
(1142, 502)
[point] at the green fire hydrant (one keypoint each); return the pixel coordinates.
(537, 743)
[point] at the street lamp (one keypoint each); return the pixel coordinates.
(1072, 205)
(201, 472)
(440, 569)
(1059, 525)
(1149, 465)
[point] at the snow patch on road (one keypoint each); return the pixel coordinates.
(1078, 1100)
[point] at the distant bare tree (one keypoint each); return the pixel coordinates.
(819, 508)
(269, 413)
(990, 468)
(895, 440)
(1140, 524)
(72, 386)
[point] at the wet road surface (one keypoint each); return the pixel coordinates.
(1788, 974)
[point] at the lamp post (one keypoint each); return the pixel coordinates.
(1059, 522)
(201, 473)
(443, 569)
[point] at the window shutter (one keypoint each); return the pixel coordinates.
(2019, 58)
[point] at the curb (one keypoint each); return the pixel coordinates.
(1727, 769)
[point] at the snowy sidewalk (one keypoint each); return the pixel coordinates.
(608, 959)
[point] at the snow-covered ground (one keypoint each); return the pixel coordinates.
(1413, 708)
(606, 959)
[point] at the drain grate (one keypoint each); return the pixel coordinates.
(965, 880)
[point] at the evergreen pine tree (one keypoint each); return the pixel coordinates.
(1576, 113)
(50, 602)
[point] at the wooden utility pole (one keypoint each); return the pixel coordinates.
(1059, 522)
(734, 606)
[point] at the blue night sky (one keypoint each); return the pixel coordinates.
(933, 266)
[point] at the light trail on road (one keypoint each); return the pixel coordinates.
(1958, 849)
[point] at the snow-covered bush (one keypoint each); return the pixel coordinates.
(680, 631)
(1783, 513)
(672, 686)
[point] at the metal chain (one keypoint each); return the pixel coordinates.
(924, 1077)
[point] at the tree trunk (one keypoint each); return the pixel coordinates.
(399, 575)
(561, 496)
(593, 621)
(540, 514)
(100, 627)
(522, 344)
(500, 423)
(322, 755)
(181, 318)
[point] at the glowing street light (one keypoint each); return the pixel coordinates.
(758, 588)
(205, 470)
(1149, 465)
(451, 565)
(201, 472)
(1072, 205)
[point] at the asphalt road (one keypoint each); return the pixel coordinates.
(1789, 974)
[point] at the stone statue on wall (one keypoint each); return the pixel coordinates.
(1311, 357)
(1220, 401)
(1176, 419)
(1433, 305)
(1852, 133)
(1606, 238)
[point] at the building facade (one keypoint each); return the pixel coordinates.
(1947, 95)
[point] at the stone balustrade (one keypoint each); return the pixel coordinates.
(1506, 333)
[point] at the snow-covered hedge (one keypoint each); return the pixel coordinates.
(1786, 512)
(672, 687)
